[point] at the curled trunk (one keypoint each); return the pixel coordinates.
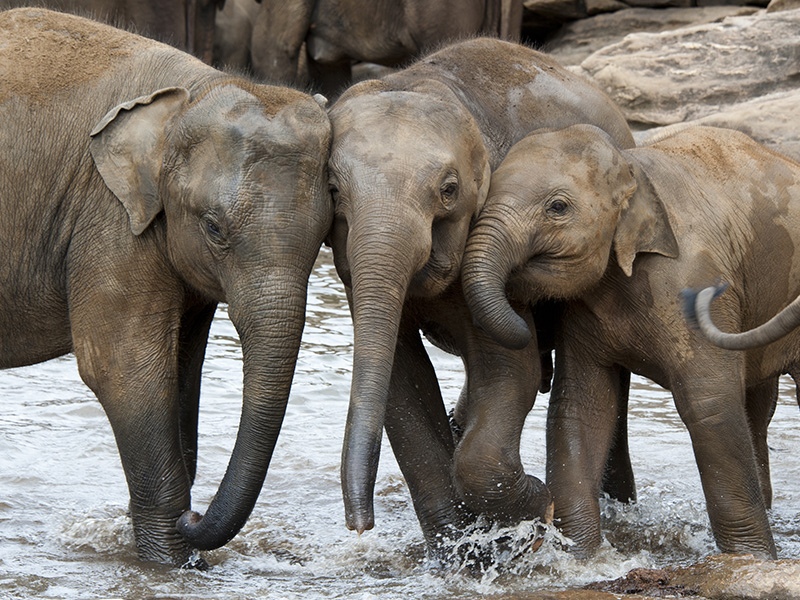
(270, 337)
(484, 274)
(697, 309)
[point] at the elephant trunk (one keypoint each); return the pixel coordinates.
(697, 309)
(490, 256)
(382, 262)
(270, 338)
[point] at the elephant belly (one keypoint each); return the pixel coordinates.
(33, 334)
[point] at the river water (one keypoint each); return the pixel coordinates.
(64, 531)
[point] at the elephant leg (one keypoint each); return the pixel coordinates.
(130, 362)
(501, 389)
(618, 480)
(582, 418)
(713, 410)
(419, 432)
(195, 325)
(279, 32)
(761, 401)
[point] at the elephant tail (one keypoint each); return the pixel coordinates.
(689, 297)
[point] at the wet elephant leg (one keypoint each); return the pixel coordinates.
(130, 363)
(192, 348)
(581, 423)
(760, 401)
(618, 480)
(501, 389)
(419, 432)
(713, 410)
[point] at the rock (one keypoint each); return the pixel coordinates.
(721, 577)
(778, 5)
(742, 577)
(576, 41)
(689, 73)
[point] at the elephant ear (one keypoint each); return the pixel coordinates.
(128, 147)
(643, 225)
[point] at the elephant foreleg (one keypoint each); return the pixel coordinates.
(192, 348)
(581, 421)
(129, 360)
(419, 432)
(501, 389)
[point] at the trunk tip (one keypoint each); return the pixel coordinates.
(361, 524)
(189, 526)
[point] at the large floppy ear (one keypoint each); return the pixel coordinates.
(128, 147)
(643, 225)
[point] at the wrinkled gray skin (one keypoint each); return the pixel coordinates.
(185, 24)
(618, 234)
(315, 41)
(233, 30)
(138, 189)
(409, 168)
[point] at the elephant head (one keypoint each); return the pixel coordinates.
(559, 204)
(232, 181)
(408, 172)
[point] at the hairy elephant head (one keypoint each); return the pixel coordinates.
(233, 182)
(408, 172)
(559, 204)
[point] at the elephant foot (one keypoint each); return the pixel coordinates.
(158, 541)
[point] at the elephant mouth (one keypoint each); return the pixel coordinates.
(545, 276)
(434, 278)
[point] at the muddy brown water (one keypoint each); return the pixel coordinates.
(64, 531)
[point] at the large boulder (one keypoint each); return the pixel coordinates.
(722, 577)
(689, 73)
(577, 40)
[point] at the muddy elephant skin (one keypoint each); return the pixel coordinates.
(186, 24)
(302, 41)
(139, 187)
(619, 234)
(410, 166)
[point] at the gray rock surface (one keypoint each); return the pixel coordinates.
(577, 40)
(692, 72)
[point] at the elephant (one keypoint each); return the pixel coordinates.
(233, 30)
(315, 41)
(139, 187)
(617, 234)
(186, 24)
(410, 166)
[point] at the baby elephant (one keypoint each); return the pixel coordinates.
(138, 188)
(618, 234)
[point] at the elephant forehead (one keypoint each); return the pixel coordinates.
(234, 121)
(398, 111)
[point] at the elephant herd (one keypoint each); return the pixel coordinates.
(483, 196)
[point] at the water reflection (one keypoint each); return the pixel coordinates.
(64, 531)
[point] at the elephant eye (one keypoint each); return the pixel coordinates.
(213, 229)
(334, 191)
(557, 207)
(449, 192)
